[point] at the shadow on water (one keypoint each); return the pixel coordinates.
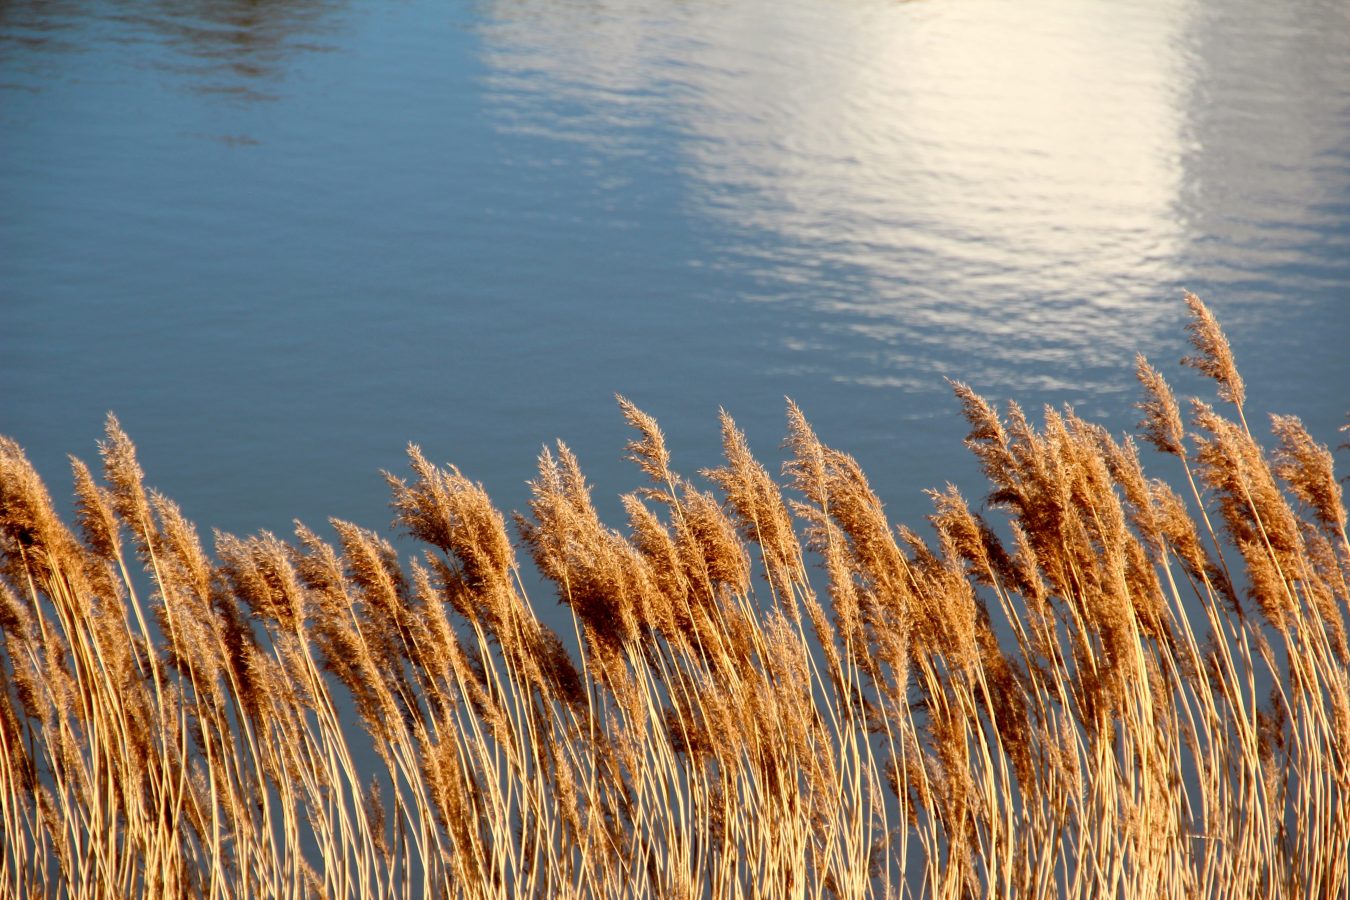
(234, 48)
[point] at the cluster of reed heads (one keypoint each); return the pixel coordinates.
(1114, 690)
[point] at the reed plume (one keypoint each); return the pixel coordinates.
(1094, 683)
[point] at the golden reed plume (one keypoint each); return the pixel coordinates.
(1097, 686)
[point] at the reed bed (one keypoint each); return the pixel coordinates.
(1109, 688)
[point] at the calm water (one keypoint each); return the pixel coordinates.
(282, 239)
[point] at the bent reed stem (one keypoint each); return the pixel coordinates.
(773, 691)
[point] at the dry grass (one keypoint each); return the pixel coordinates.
(1134, 693)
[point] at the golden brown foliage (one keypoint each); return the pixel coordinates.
(771, 694)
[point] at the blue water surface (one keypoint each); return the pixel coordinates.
(283, 238)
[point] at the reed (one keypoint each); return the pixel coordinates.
(1111, 687)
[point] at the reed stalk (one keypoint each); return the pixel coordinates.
(1095, 685)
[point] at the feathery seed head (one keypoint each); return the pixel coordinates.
(455, 515)
(1307, 467)
(1214, 357)
(125, 479)
(1161, 424)
(649, 453)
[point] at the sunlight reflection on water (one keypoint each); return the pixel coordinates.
(343, 227)
(1018, 185)
(964, 174)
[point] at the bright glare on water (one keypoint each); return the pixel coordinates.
(282, 238)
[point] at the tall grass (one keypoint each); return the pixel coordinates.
(1114, 688)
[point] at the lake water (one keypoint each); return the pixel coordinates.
(282, 238)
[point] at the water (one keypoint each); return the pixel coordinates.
(282, 238)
